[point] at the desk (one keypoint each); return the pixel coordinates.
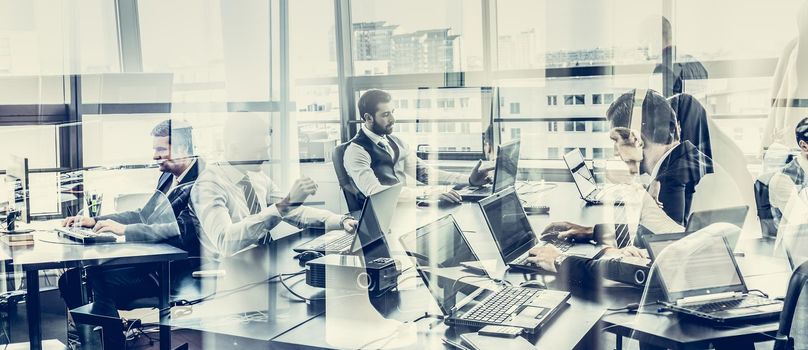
(47, 254)
(302, 326)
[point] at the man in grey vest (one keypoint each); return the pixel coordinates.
(376, 159)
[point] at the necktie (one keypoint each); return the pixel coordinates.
(249, 195)
(385, 148)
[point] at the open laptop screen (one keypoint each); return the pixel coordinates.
(508, 223)
(439, 248)
(697, 267)
(583, 178)
(375, 223)
(507, 165)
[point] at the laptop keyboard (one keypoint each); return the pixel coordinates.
(84, 235)
(498, 307)
(340, 243)
(749, 301)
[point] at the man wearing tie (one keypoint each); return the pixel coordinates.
(376, 159)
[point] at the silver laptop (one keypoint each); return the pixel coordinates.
(471, 299)
(701, 219)
(590, 191)
(377, 213)
(505, 171)
(713, 287)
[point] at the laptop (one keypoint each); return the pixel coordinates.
(381, 206)
(590, 191)
(712, 288)
(514, 235)
(701, 219)
(505, 171)
(439, 248)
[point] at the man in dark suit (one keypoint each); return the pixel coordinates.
(646, 136)
(173, 152)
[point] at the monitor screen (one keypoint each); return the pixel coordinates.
(509, 224)
(698, 266)
(375, 223)
(507, 165)
(439, 248)
(17, 186)
(580, 172)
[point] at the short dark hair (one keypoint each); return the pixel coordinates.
(180, 137)
(658, 118)
(801, 131)
(369, 101)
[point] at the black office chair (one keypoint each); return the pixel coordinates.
(768, 216)
(784, 339)
(353, 196)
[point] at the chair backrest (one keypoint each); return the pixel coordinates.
(353, 197)
(768, 216)
(796, 285)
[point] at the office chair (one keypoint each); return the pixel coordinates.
(784, 339)
(353, 196)
(768, 216)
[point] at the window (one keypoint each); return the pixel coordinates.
(397, 37)
(601, 153)
(446, 127)
(597, 99)
(580, 99)
(574, 126)
(423, 103)
(552, 100)
(569, 100)
(552, 126)
(598, 126)
(444, 103)
(464, 102)
(552, 153)
(514, 107)
(608, 98)
(516, 133)
(423, 127)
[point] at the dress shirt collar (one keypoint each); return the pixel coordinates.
(178, 180)
(667, 154)
(374, 137)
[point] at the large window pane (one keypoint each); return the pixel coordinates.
(559, 33)
(419, 36)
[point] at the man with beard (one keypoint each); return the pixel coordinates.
(375, 159)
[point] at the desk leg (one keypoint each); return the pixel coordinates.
(32, 309)
(165, 288)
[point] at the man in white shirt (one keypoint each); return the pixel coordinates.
(237, 203)
(787, 185)
(376, 159)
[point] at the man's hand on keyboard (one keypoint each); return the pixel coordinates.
(350, 225)
(544, 256)
(82, 221)
(109, 226)
(568, 230)
(633, 251)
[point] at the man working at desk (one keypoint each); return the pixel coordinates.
(649, 144)
(376, 159)
(238, 204)
(174, 154)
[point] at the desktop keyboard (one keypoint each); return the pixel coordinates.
(749, 301)
(338, 244)
(498, 307)
(85, 236)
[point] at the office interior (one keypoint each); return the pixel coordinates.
(387, 174)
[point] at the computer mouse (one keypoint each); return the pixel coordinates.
(307, 256)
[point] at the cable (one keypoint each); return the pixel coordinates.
(632, 307)
(302, 298)
(762, 293)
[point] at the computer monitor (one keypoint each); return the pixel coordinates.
(17, 183)
(507, 165)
